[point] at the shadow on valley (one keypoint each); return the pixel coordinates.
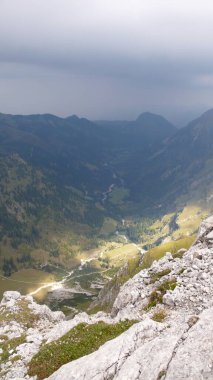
(79, 200)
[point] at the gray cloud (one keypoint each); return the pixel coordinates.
(106, 58)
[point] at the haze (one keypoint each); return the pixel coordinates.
(106, 59)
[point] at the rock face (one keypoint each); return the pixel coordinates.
(27, 322)
(34, 325)
(179, 348)
(150, 350)
(193, 274)
(173, 339)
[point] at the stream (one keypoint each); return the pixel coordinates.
(106, 193)
(52, 285)
(77, 287)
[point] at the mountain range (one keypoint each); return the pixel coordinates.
(68, 183)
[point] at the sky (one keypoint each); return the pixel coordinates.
(106, 59)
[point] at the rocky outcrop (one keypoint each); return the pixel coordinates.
(110, 291)
(193, 273)
(181, 347)
(152, 351)
(23, 326)
(173, 339)
(31, 325)
(193, 357)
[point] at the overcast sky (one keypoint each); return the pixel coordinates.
(107, 59)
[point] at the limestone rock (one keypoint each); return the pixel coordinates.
(193, 359)
(10, 295)
(182, 347)
(178, 348)
(149, 350)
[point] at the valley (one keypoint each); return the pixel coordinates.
(106, 190)
(79, 199)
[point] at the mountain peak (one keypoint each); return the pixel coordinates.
(150, 119)
(156, 123)
(207, 115)
(73, 117)
(203, 123)
(147, 114)
(209, 112)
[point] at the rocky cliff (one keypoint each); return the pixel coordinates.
(171, 303)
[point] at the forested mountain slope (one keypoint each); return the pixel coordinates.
(68, 183)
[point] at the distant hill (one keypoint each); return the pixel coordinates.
(182, 168)
(145, 132)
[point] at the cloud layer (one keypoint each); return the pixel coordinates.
(106, 58)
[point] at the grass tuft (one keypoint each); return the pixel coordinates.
(10, 344)
(80, 341)
(155, 277)
(159, 315)
(156, 296)
(23, 315)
